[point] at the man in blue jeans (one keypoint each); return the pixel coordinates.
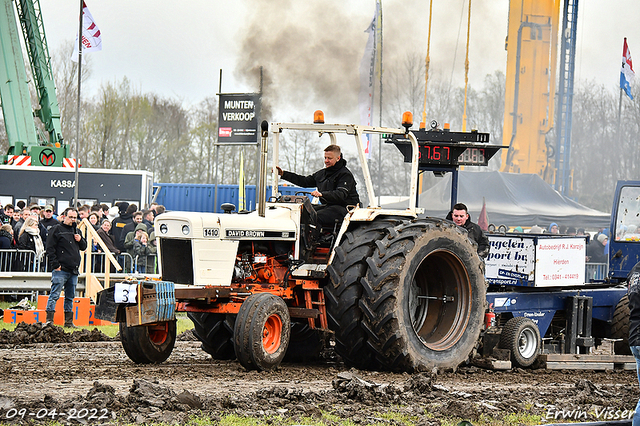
(64, 244)
(633, 281)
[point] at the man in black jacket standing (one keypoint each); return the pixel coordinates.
(460, 216)
(633, 292)
(125, 216)
(64, 244)
(335, 187)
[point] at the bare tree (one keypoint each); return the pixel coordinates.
(602, 151)
(203, 138)
(104, 125)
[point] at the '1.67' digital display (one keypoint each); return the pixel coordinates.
(435, 153)
(439, 154)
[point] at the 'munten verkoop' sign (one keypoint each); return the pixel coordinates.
(238, 119)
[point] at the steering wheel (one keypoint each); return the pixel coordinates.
(298, 198)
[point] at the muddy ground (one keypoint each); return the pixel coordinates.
(83, 378)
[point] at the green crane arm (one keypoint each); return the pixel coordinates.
(19, 120)
(14, 87)
(30, 18)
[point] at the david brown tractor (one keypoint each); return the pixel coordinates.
(395, 291)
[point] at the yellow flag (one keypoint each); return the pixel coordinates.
(241, 189)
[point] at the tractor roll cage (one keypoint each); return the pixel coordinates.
(357, 131)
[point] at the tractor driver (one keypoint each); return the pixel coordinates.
(335, 187)
(460, 216)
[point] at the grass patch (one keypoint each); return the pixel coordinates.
(239, 420)
(7, 305)
(333, 420)
(514, 419)
(396, 418)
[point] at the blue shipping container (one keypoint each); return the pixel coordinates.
(201, 197)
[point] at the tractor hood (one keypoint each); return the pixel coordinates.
(277, 224)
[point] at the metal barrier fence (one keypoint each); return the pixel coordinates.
(146, 266)
(596, 272)
(14, 260)
(23, 272)
(99, 260)
(129, 264)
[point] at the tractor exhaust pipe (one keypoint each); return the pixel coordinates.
(262, 190)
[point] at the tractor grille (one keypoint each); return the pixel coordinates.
(177, 262)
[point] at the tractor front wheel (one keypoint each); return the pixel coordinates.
(148, 344)
(261, 332)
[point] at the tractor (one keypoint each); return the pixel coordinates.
(392, 290)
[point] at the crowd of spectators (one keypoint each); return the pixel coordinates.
(123, 228)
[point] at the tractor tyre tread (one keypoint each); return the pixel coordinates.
(141, 349)
(241, 328)
(390, 334)
(305, 343)
(620, 327)
(215, 332)
(267, 307)
(344, 290)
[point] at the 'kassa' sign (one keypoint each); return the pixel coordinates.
(238, 118)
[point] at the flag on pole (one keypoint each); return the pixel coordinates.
(367, 76)
(626, 72)
(241, 188)
(483, 220)
(91, 38)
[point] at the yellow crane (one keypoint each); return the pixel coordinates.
(538, 75)
(532, 46)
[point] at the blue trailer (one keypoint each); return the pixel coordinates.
(203, 198)
(555, 321)
(539, 299)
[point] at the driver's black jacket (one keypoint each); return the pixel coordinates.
(335, 183)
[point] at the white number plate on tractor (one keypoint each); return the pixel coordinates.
(211, 232)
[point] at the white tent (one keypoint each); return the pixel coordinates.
(511, 199)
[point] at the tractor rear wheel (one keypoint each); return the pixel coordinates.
(215, 331)
(344, 290)
(620, 327)
(424, 297)
(261, 333)
(148, 344)
(521, 336)
(305, 343)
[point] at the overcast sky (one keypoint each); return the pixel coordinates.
(176, 48)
